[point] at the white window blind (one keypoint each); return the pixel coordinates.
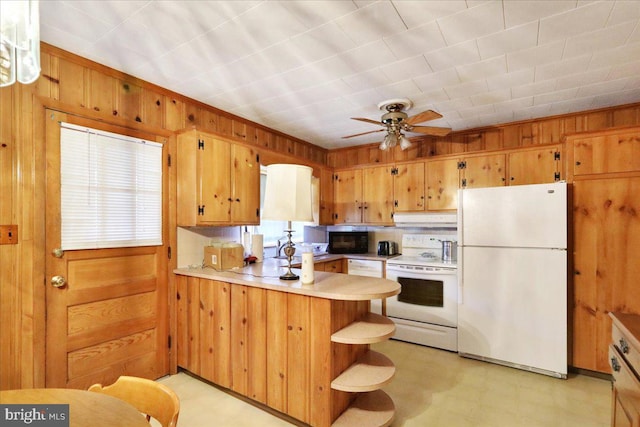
(111, 189)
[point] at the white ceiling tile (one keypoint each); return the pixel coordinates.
(372, 55)
(510, 40)
(460, 54)
(535, 56)
(402, 89)
(478, 21)
(334, 67)
(371, 23)
(532, 112)
(521, 11)
(415, 13)
(492, 97)
(602, 88)
(425, 100)
(629, 69)
(606, 38)
(635, 36)
(562, 68)
(517, 78)
(64, 17)
(584, 78)
(477, 111)
(407, 68)
(417, 40)
(483, 69)
(565, 107)
(619, 55)
(573, 22)
(314, 13)
(533, 89)
(437, 80)
(555, 96)
(624, 11)
(321, 42)
(514, 104)
(369, 97)
(367, 79)
(270, 23)
(466, 89)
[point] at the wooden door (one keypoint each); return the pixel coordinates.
(484, 171)
(408, 187)
(245, 173)
(606, 239)
(348, 196)
(377, 193)
(213, 174)
(110, 318)
(537, 166)
(442, 184)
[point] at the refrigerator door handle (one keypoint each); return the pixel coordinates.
(460, 280)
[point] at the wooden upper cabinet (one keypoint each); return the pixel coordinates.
(408, 187)
(605, 153)
(326, 196)
(534, 166)
(218, 182)
(442, 184)
(348, 196)
(377, 192)
(483, 171)
(245, 179)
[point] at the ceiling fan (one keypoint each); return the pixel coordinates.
(395, 121)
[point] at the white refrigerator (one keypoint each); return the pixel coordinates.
(512, 276)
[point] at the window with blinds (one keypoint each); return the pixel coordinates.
(111, 189)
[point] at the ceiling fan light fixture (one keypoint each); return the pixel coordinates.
(404, 142)
(384, 145)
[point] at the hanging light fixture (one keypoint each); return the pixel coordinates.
(392, 138)
(404, 142)
(19, 42)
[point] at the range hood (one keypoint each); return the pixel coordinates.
(425, 219)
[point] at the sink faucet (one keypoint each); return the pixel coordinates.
(280, 246)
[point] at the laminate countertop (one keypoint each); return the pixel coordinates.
(326, 285)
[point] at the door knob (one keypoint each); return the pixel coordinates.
(58, 281)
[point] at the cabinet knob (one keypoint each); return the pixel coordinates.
(615, 365)
(624, 347)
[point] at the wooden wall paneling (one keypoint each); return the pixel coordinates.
(250, 131)
(222, 334)
(529, 133)
(265, 139)
(153, 108)
(48, 75)
(257, 344)
(174, 114)
(192, 116)
(511, 136)
(550, 131)
(72, 83)
(598, 120)
(626, 116)
(320, 362)
(301, 150)
(129, 99)
(239, 130)
(474, 141)
(283, 144)
(492, 139)
(277, 356)
(224, 125)
(239, 337)
(298, 355)
(102, 93)
(568, 124)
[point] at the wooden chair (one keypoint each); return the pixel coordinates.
(153, 399)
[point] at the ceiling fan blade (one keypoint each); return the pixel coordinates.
(431, 130)
(425, 116)
(363, 133)
(375, 122)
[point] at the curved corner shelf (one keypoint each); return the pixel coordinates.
(372, 328)
(370, 372)
(369, 409)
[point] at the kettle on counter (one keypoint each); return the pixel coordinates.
(386, 248)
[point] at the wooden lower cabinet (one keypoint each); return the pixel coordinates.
(624, 359)
(275, 347)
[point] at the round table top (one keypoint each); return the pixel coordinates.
(86, 408)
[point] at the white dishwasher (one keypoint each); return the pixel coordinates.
(365, 267)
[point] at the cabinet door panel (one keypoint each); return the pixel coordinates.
(485, 171)
(442, 184)
(277, 374)
(257, 344)
(326, 197)
(533, 166)
(607, 154)
(348, 196)
(222, 333)
(245, 205)
(603, 282)
(213, 172)
(298, 365)
(408, 187)
(377, 195)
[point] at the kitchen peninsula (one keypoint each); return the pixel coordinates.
(302, 350)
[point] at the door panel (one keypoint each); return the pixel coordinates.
(110, 318)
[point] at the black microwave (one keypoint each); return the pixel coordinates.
(348, 242)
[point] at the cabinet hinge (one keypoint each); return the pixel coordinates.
(335, 177)
(395, 203)
(391, 215)
(556, 155)
(257, 158)
(169, 341)
(169, 160)
(394, 171)
(169, 252)
(462, 164)
(335, 216)
(556, 176)
(258, 212)
(200, 144)
(464, 182)
(200, 210)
